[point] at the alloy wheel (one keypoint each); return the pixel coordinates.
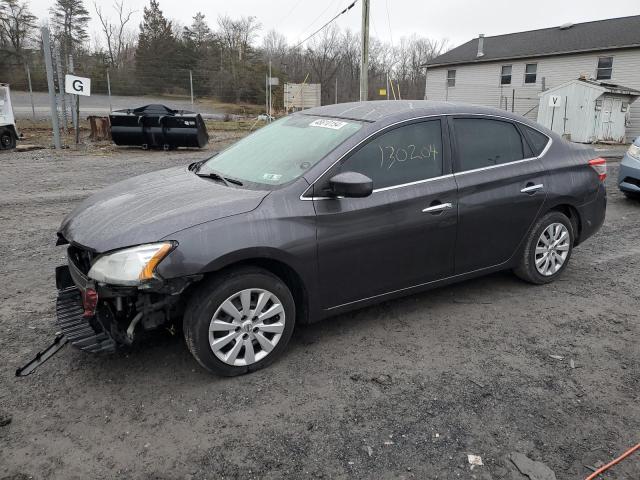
(552, 249)
(246, 327)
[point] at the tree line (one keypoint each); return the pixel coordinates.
(226, 59)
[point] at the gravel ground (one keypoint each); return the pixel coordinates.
(406, 389)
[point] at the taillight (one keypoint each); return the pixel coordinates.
(600, 166)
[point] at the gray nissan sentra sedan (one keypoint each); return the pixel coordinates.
(321, 212)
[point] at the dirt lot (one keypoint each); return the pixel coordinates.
(406, 389)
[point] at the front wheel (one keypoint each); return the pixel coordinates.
(547, 250)
(7, 139)
(240, 321)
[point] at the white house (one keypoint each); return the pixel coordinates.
(510, 71)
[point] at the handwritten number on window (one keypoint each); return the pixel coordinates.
(392, 154)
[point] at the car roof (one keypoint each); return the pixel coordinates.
(377, 110)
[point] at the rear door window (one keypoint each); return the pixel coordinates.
(403, 155)
(483, 142)
(537, 140)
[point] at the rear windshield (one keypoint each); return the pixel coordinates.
(282, 151)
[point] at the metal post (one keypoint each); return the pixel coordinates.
(61, 92)
(46, 44)
(191, 85)
(387, 85)
(270, 100)
(109, 91)
(364, 59)
(33, 108)
(78, 119)
(513, 99)
(336, 88)
(266, 94)
(564, 126)
(74, 99)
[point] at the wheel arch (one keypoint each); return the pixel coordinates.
(572, 213)
(274, 265)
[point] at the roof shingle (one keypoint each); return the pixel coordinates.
(581, 37)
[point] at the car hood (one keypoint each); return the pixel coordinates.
(149, 207)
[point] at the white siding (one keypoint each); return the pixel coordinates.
(480, 83)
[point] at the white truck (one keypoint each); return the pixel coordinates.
(8, 130)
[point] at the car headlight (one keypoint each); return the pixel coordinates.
(130, 266)
(634, 151)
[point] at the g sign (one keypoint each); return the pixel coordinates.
(77, 85)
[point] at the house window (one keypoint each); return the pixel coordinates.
(505, 75)
(605, 66)
(451, 78)
(530, 72)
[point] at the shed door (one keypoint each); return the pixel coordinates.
(617, 130)
(604, 132)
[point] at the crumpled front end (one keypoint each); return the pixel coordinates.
(98, 317)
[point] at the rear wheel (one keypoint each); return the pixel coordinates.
(240, 321)
(632, 195)
(7, 139)
(547, 249)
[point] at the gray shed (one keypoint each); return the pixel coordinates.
(587, 111)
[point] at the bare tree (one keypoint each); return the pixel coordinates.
(274, 45)
(323, 55)
(236, 38)
(16, 26)
(116, 35)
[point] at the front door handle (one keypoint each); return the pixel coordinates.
(531, 188)
(437, 208)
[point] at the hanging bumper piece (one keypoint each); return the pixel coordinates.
(58, 343)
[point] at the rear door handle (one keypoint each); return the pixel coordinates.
(531, 188)
(437, 208)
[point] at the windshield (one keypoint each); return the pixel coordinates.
(281, 151)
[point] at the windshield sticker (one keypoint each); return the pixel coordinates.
(332, 124)
(271, 177)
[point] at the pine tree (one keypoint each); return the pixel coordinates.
(199, 32)
(157, 48)
(70, 19)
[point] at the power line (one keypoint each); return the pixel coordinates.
(389, 23)
(291, 11)
(326, 24)
(328, 6)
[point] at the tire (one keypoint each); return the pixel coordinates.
(7, 139)
(632, 195)
(240, 335)
(550, 223)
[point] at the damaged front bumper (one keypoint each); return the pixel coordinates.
(103, 316)
(98, 318)
(82, 330)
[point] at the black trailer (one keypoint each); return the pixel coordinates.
(158, 126)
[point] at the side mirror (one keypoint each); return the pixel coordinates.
(351, 184)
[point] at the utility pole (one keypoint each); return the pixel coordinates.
(46, 45)
(364, 59)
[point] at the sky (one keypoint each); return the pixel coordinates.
(455, 20)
